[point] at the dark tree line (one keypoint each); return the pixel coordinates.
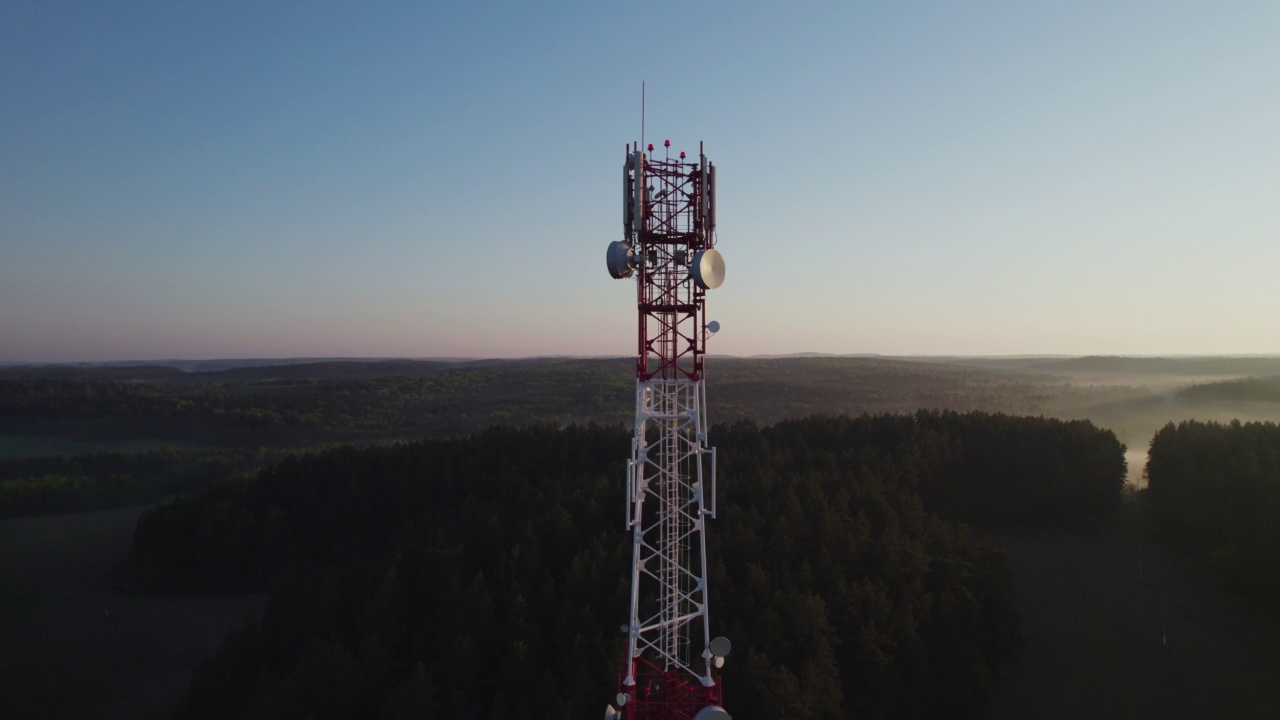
(981, 468)
(294, 412)
(485, 576)
(90, 481)
(1215, 492)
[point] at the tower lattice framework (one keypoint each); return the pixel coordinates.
(669, 246)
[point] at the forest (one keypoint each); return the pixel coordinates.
(190, 428)
(163, 430)
(71, 482)
(1215, 493)
(313, 403)
(481, 576)
(394, 509)
(278, 406)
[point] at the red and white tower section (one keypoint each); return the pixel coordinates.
(668, 246)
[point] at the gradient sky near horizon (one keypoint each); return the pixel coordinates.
(245, 179)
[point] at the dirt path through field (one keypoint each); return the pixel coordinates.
(73, 647)
(1117, 628)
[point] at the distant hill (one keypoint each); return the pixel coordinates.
(1135, 366)
(241, 371)
(116, 373)
(255, 369)
(279, 403)
(1135, 419)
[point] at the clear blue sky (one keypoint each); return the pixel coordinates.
(246, 179)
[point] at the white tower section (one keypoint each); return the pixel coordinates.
(666, 512)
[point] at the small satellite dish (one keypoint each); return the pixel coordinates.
(719, 662)
(618, 259)
(622, 699)
(720, 647)
(712, 712)
(708, 268)
(713, 327)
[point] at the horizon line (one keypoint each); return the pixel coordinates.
(309, 359)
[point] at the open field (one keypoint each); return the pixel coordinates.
(71, 646)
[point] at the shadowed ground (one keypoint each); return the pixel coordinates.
(71, 646)
(1095, 630)
(1115, 628)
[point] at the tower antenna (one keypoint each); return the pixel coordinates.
(668, 245)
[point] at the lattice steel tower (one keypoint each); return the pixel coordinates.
(669, 220)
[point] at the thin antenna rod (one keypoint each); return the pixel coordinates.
(642, 113)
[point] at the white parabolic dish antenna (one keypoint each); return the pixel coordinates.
(708, 268)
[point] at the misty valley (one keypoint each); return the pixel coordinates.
(897, 537)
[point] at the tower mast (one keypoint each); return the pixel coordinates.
(668, 245)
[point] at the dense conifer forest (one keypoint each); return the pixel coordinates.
(70, 482)
(1215, 492)
(444, 538)
(160, 430)
(196, 427)
(484, 576)
(360, 402)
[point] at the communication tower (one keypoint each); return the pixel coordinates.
(668, 245)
